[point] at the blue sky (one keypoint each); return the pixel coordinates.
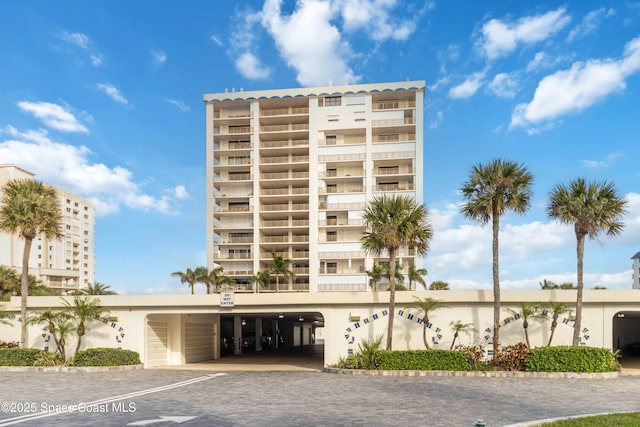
(104, 99)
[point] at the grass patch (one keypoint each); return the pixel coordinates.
(619, 420)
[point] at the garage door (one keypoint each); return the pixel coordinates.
(198, 342)
(156, 343)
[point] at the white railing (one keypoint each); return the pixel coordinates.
(393, 122)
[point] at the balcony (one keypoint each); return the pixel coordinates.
(343, 206)
(285, 207)
(236, 177)
(341, 222)
(393, 122)
(393, 105)
(394, 171)
(343, 189)
(232, 256)
(296, 191)
(394, 155)
(285, 127)
(284, 143)
(284, 111)
(395, 187)
(345, 287)
(230, 146)
(285, 175)
(285, 159)
(285, 223)
(231, 114)
(237, 240)
(341, 255)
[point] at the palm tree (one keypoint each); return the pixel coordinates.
(592, 208)
(392, 223)
(375, 275)
(491, 190)
(426, 306)
(58, 324)
(9, 282)
(261, 279)
(527, 312)
(439, 285)
(556, 309)
(416, 275)
(280, 267)
(29, 208)
(98, 289)
(191, 276)
(398, 276)
(459, 327)
(215, 278)
(82, 311)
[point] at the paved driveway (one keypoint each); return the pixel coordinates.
(299, 399)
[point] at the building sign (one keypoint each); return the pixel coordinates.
(226, 298)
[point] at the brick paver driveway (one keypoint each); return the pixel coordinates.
(298, 399)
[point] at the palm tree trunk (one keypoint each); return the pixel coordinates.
(424, 332)
(578, 324)
(526, 333)
(79, 342)
(277, 283)
(392, 297)
(455, 336)
(554, 324)
(496, 287)
(24, 292)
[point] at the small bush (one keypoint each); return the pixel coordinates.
(49, 359)
(106, 357)
(349, 362)
(474, 354)
(9, 344)
(19, 356)
(423, 360)
(512, 357)
(571, 359)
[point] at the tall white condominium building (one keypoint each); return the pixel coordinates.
(290, 172)
(65, 264)
(636, 271)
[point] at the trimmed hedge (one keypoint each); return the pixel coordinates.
(106, 357)
(423, 360)
(19, 356)
(571, 359)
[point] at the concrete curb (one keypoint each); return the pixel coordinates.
(486, 374)
(69, 368)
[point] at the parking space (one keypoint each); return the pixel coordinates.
(166, 397)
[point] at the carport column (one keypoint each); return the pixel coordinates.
(237, 335)
(258, 333)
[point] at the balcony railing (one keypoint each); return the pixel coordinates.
(338, 222)
(343, 206)
(284, 175)
(284, 143)
(340, 190)
(238, 240)
(341, 174)
(394, 171)
(242, 255)
(346, 287)
(391, 105)
(233, 146)
(341, 254)
(285, 159)
(284, 111)
(226, 114)
(395, 187)
(394, 155)
(393, 122)
(285, 127)
(237, 177)
(341, 157)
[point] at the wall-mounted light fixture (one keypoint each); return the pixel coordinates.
(280, 316)
(301, 319)
(244, 322)
(354, 317)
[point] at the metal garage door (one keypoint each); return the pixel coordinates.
(156, 343)
(198, 342)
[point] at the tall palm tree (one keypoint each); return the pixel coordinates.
(592, 208)
(375, 275)
(556, 309)
(260, 279)
(527, 312)
(280, 267)
(416, 275)
(492, 190)
(393, 223)
(191, 277)
(98, 289)
(29, 208)
(426, 306)
(457, 328)
(83, 310)
(215, 279)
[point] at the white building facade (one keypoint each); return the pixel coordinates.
(290, 171)
(64, 264)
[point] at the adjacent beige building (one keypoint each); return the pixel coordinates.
(65, 264)
(291, 170)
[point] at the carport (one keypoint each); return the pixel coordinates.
(626, 334)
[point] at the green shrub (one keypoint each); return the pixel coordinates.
(512, 357)
(571, 359)
(474, 354)
(106, 357)
(19, 356)
(47, 358)
(423, 360)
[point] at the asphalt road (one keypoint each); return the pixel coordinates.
(206, 398)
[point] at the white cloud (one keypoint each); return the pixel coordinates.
(97, 59)
(503, 85)
(70, 168)
(590, 23)
(436, 120)
(308, 42)
(112, 92)
(500, 38)
(577, 88)
(251, 67)
(599, 164)
(468, 88)
(181, 105)
(53, 116)
(374, 17)
(158, 57)
(77, 39)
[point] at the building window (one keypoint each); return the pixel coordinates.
(332, 101)
(332, 236)
(331, 139)
(358, 116)
(333, 117)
